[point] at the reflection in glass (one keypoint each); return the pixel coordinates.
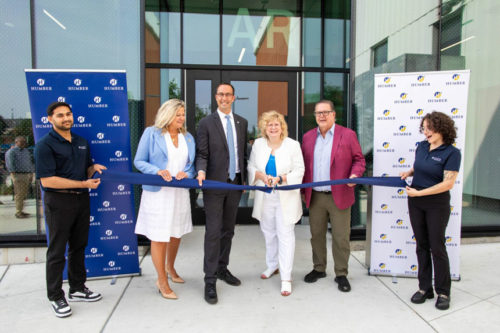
(201, 39)
(271, 40)
(333, 90)
(15, 120)
(162, 37)
(311, 32)
(334, 43)
(203, 99)
(311, 89)
(103, 35)
(160, 86)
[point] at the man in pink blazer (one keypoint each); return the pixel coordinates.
(330, 152)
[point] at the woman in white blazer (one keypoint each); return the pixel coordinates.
(277, 160)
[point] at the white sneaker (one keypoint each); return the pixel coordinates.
(61, 308)
(84, 295)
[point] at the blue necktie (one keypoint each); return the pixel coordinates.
(230, 145)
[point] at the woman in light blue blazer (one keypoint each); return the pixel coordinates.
(168, 150)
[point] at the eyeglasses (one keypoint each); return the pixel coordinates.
(220, 95)
(322, 113)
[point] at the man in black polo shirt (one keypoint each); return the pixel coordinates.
(64, 167)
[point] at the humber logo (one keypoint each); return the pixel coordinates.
(456, 77)
(44, 120)
(454, 111)
(384, 206)
(113, 82)
(413, 267)
(93, 250)
(419, 112)
(118, 153)
(381, 265)
(398, 251)
(437, 94)
(40, 82)
(402, 128)
(100, 136)
(81, 119)
(383, 236)
(116, 119)
(385, 145)
(97, 99)
(451, 208)
(105, 203)
(401, 160)
(121, 187)
(111, 263)
(448, 239)
(123, 216)
(401, 191)
(384, 175)
(109, 232)
(77, 82)
(91, 218)
(61, 99)
(126, 248)
(420, 78)
(403, 95)
(387, 112)
(387, 79)
(413, 237)
(399, 222)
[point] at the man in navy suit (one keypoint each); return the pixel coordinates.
(221, 155)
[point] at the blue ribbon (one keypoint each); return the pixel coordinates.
(156, 180)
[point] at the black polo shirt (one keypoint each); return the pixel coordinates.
(429, 166)
(56, 156)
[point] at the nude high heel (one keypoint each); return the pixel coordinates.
(170, 295)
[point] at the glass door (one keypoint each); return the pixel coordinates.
(256, 92)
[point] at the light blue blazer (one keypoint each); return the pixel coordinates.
(152, 155)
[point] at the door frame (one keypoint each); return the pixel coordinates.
(218, 76)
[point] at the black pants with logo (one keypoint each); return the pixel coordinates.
(429, 217)
(68, 219)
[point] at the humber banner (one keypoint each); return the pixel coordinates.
(401, 101)
(100, 111)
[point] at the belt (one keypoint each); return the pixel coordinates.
(69, 191)
(323, 192)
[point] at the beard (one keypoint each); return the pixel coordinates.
(63, 126)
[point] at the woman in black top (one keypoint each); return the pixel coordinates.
(434, 173)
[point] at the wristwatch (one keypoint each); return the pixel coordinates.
(281, 180)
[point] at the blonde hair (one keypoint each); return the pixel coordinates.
(167, 113)
(269, 116)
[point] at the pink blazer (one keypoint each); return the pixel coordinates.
(346, 160)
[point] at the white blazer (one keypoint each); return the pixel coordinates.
(289, 161)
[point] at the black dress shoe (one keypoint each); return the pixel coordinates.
(343, 283)
(419, 297)
(313, 276)
(210, 293)
(443, 302)
(225, 275)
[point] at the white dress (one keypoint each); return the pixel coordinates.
(167, 213)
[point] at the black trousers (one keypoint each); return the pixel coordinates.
(221, 208)
(429, 217)
(68, 220)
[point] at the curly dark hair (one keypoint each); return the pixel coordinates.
(440, 123)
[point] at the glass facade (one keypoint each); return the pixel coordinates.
(315, 49)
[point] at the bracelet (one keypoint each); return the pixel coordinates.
(281, 180)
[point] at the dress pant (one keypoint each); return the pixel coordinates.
(322, 209)
(221, 207)
(429, 217)
(22, 183)
(279, 237)
(68, 219)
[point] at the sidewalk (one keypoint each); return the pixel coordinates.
(375, 303)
